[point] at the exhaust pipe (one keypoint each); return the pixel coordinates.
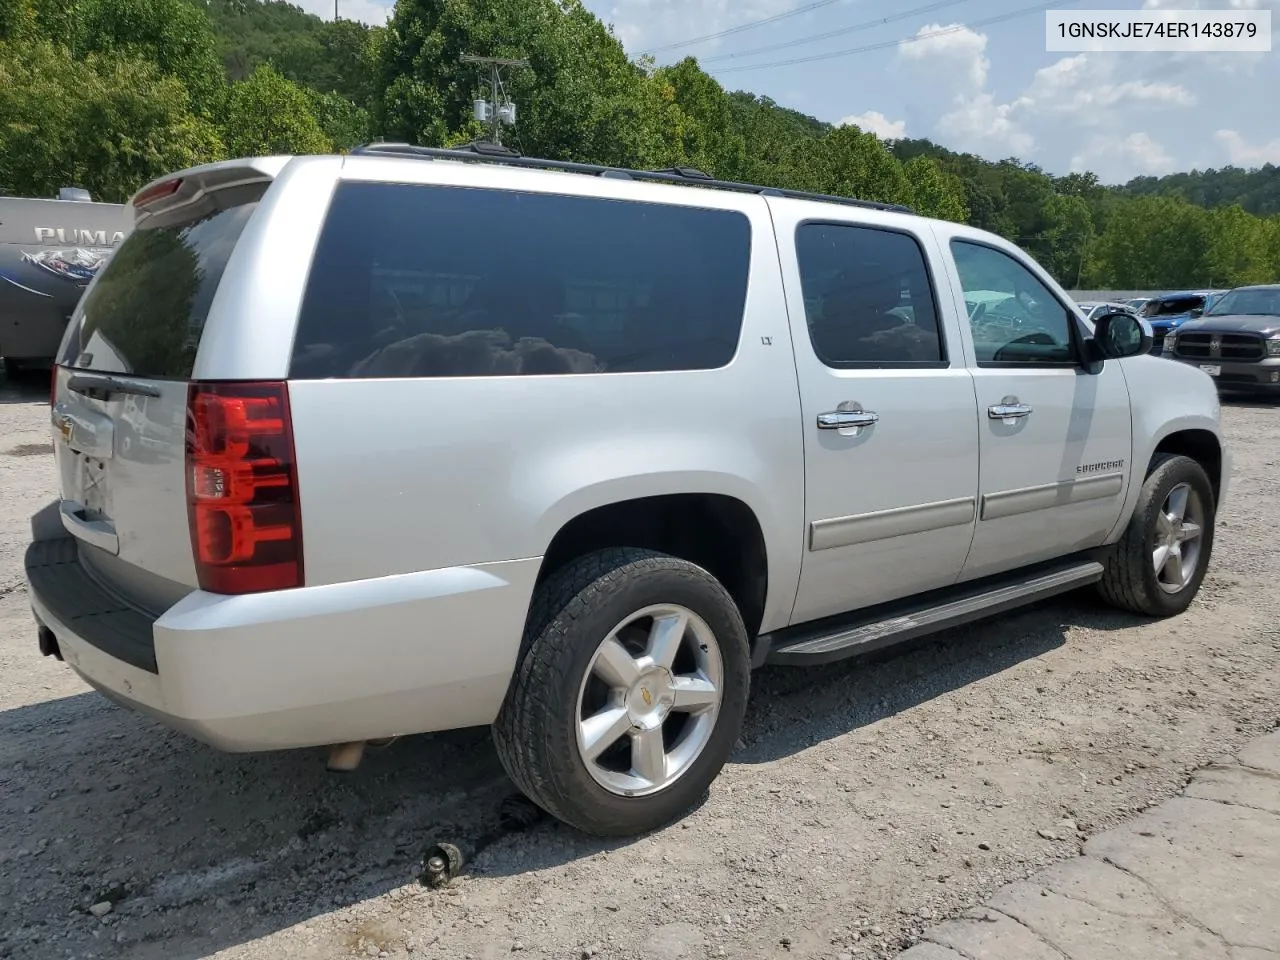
(345, 757)
(48, 643)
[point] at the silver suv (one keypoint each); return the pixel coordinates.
(408, 440)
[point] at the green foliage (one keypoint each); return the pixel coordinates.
(579, 99)
(1254, 191)
(269, 114)
(105, 122)
(172, 34)
(343, 123)
(933, 191)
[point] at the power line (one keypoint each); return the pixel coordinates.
(865, 25)
(750, 25)
(885, 44)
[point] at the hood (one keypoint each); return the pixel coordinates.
(1168, 320)
(1234, 323)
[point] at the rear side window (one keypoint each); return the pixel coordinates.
(420, 281)
(145, 314)
(867, 297)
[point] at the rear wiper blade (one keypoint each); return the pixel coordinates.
(104, 385)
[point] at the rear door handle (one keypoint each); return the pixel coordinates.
(1009, 409)
(843, 419)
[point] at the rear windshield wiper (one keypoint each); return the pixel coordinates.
(104, 386)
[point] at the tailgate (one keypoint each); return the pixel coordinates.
(120, 390)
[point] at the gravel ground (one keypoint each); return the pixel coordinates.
(865, 802)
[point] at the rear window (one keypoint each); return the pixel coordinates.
(145, 314)
(417, 281)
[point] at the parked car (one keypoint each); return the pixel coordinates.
(1236, 341)
(1169, 311)
(1092, 310)
(49, 251)
(438, 438)
(1137, 304)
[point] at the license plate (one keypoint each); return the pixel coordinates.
(1212, 369)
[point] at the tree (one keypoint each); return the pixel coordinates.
(1154, 243)
(933, 192)
(344, 124)
(708, 136)
(850, 163)
(268, 114)
(107, 122)
(579, 99)
(172, 34)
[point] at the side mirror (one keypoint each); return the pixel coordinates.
(1197, 313)
(1120, 335)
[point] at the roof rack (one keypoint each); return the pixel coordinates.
(685, 176)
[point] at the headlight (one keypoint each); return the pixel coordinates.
(1273, 347)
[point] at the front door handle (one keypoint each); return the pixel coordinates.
(849, 415)
(1010, 408)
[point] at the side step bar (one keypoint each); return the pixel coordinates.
(831, 640)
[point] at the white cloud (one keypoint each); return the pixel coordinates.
(1241, 153)
(873, 121)
(1116, 159)
(954, 49)
(980, 125)
(1083, 87)
(366, 11)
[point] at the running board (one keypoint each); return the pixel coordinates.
(831, 640)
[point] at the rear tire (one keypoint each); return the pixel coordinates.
(1157, 566)
(630, 694)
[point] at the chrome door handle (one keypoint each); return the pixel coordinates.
(1009, 409)
(843, 419)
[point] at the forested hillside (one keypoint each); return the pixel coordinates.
(1257, 191)
(107, 94)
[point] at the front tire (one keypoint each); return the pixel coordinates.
(1157, 566)
(630, 694)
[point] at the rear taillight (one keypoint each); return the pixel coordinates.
(53, 386)
(157, 191)
(242, 488)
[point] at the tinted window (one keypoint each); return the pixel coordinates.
(867, 296)
(1014, 317)
(145, 314)
(1174, 306)
(413, 281)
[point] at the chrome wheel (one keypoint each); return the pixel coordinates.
(1179, 526)
(649, 701)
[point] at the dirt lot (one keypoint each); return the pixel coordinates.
(864, 802)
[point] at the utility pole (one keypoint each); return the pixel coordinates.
(498, 109)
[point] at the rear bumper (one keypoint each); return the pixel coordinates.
(353, 661)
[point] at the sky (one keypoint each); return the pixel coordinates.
(987, 89)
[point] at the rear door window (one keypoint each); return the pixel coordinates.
(868, 297)
(424, 281)
(147, 311)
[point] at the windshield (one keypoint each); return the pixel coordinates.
(1264, 303)
(1172, 307)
